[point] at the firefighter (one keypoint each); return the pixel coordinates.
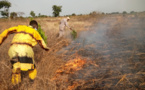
(63, 24)
(21, 52)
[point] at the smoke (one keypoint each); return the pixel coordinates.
(116, 45)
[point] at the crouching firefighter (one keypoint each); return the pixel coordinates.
(21, 52)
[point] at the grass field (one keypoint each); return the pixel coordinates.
(46, 62)
(109, 53)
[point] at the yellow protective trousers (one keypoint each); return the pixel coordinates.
(23, 56)
(18, 67)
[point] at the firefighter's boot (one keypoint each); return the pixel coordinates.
(32, 74)
(16, 74)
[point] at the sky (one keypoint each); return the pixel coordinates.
(44, 7)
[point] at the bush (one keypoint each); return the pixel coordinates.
(42, 33)
(74, 34)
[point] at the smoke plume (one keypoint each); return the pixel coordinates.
(116, 45)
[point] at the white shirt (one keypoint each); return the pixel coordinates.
(63, 23)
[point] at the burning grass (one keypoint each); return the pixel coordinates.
(71, 66)
(70, 69)
(108, 54)
(114, 57)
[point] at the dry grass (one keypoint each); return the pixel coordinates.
(114, 54)
(46, 62)
(116, 62)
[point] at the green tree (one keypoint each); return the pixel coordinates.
(5, 5)
(73, 14)
(124, 12)
(13, 15)
(132, 12)
(39, 15)
(56, 10)
(32, 13)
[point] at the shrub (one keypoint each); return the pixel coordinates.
(42, 33)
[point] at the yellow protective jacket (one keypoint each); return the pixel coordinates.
(23, 41)
(25, 35)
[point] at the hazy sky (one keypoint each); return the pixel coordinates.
(76, 6)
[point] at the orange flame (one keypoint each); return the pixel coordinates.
(73, 86)
(72, 66)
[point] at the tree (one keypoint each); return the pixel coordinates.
(73, 14)
(94, 13)
(115, 13)
(13, 15)
(5, 5)
(32, 13)
(132, 12)
(56, 10)
(124, 12)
